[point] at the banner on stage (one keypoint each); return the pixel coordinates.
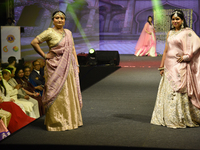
(10, 43)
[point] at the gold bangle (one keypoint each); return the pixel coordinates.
(160, 68)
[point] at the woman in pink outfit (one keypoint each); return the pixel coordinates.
(146, 44)
(178, 98)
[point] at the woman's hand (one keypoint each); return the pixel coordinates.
(18, 86)
(26, 97)
(35, 94)
(50, 55)
(161, 72)
(12, 100)
(39, 87)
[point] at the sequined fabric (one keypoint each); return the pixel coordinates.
(184, 76)
(51, 36)
(177, 103)
(173, 109)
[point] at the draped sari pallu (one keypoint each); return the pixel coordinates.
(146, 43)
(57, 70)
(185, 77)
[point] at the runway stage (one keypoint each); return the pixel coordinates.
(116, 114)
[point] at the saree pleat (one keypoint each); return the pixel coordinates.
(65, 113)
(61, 96)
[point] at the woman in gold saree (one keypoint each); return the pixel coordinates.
(62, 96)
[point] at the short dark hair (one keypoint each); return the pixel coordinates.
(56, 12)
(11, 59)
(26, 67)
(34, 62)
(17, 70)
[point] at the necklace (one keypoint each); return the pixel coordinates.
(61, 32)
(174, 33)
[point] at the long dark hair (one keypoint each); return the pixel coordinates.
(148, 19)
(2, 85)
(181, 15)
(16, 72)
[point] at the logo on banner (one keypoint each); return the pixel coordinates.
(5, 49)
(15, 48)
(10, 38)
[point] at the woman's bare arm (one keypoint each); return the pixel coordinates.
(36, 46)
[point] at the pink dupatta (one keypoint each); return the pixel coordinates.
(57, 69)
(185, 76)
(145, 40)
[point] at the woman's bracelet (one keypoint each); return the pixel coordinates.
(160, 68)
(78, 65)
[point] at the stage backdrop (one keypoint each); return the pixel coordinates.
(10, 42)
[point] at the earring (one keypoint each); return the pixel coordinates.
(182, 26)
(172, 26)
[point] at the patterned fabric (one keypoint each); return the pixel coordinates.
(5, 116)
(61, 95)
(173, 109)
(64, 113)
(174, 106)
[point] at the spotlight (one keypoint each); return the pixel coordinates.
(92, 57)
(91, 51)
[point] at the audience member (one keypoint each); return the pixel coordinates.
(29, 64)
(28, 88)
(42, 65)
(36, 75)
(27, 72)
(22, 94)
(28, 106)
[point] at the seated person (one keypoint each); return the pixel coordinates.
(29, 64)
(22, 94)
(27, 72)
(29, 107)
(42, 65)
(36, 75)
(29, 88)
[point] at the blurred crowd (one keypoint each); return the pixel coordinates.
(21, 89)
